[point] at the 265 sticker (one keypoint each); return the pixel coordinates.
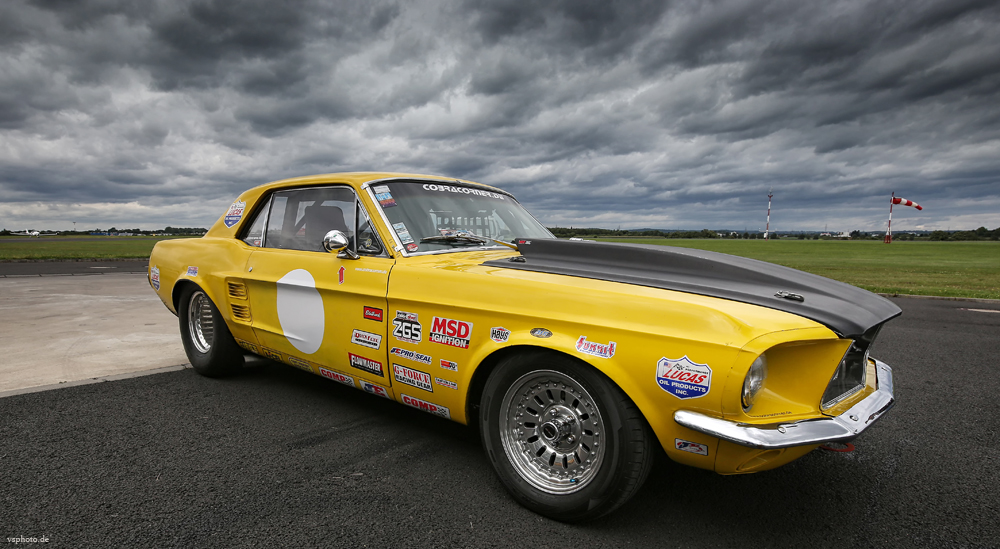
(406, 327)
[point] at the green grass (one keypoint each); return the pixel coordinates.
(950, 269)
(13, 248)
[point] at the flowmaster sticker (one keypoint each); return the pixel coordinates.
(366, 339)
(337, 376)
(456, 333)
(446, 383)
(406, 327)
(499, 334)
(154, 277)
(411, 355)
(235, 213)
(409, 376)
(683, 378)
(374, 389)
(192, 271)
(426, 406)
(449, 365)
(597, 349)
(365, 364)
(688, 446)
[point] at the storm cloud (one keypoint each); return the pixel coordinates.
(594, 113)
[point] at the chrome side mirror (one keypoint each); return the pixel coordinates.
(335, 241)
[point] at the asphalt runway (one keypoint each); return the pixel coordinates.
(67, 268)
(277, 457)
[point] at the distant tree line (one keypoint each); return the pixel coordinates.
(168, 230)
(979, 234)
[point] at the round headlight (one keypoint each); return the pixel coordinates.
(754, 381)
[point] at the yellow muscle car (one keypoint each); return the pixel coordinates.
(575, 359)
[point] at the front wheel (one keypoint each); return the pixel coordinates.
(566, 442)
(207, 341)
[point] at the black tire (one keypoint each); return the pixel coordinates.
(209, 345)
(535, 414)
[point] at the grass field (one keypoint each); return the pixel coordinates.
(77, 247)
(952, 269)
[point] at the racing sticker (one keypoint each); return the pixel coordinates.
(337, 376)
(597, 349)
(456, 333)
(192, 271)
(372, 313)
(463, 190)
(383, 196)
(411, 355)
(402, 233)
(154, 278)
(374, 389)
(366, 339)
(449, 365)
(271, 353)
(426, 406)
(235, 213)
(688, 446)
(446, 383)
(247, 345)
(409, 376)
(412, 247)
(340, 275)
(299, 363)
(365, 364)
(683, 378)
(406, 327)
(500, 334)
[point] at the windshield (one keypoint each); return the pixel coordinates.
(430, 216)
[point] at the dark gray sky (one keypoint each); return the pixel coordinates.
(592, 112)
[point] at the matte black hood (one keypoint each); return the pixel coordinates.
(847, 310)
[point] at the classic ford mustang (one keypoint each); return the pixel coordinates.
(575, 359)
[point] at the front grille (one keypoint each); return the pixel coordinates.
(241, 313)
(850, 375)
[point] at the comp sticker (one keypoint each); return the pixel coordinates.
(235, 213)
(683, 378)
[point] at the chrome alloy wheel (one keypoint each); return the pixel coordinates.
(200, 322)
(552, 431)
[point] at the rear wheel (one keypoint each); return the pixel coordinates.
(566, 442)
(207, 341)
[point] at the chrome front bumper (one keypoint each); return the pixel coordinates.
(800, 433)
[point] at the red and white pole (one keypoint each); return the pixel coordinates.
(767, 228)
(888, 230)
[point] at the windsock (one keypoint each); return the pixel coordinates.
(905, 202)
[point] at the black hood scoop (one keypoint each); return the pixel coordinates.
(847, 310)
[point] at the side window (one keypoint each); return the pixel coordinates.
(300, 218)
(368, 241)
(255, 236)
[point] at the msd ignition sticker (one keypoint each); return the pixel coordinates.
(365, 339)
(500, 335)
(402, 233)
(235, 213)
(409, 376)
(406, 327)
(456, 333)
(154, 278)
(365, 364)
(372, 313)
(683, 378)
(596, 349)
(374, 389)
(411, 355)
(337, 376)
(192, 271)
(383, 196)
(688, 446)
(426, 406)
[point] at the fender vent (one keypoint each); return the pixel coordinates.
(241, 313)
(237, 290)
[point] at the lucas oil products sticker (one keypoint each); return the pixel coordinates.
(235, 213)
(683, 378)
(456, 333)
